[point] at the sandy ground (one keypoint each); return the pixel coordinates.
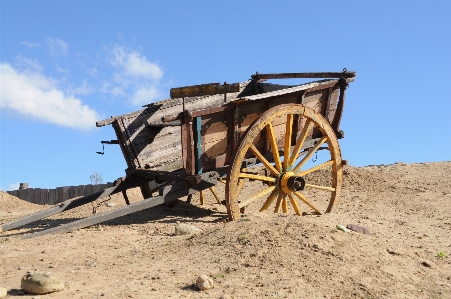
(407, 208)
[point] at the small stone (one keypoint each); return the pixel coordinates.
(185, 229)
(111, 204)
(3, 292)
(41, 283)
(204, 282)
(341, 227)
(358, 228)
(428, 264)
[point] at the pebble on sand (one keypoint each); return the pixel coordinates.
(3, 292)
(204, 282)
(41, 283)
(185, 229)
(358, 229)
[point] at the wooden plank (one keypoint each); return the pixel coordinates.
(22, 194)
(31, 195)
(72, 191)
(65, 195)
(204, 90)
(88, 190)
(44, 197)
(59, 195)
(52, 197)
(81, 190)
(262, 77)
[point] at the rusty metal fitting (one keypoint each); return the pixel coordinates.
(289, 182)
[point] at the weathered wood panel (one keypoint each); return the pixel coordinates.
(52, 197)
(31, 195)
(44, 197)
(88, 190)
(66, 194)
(73, 191)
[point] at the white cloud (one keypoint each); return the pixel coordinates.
(62, 70)
(136, 78)
(57, 46)
(30, 45)
(83, 89)
(13, 186)
(145, 95)
(118, 92)
(134, 64)
(93, 72)
(27, 63)
(32, 94)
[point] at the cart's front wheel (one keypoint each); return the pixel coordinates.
(284, 139)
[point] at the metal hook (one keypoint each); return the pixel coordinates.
(103, 150)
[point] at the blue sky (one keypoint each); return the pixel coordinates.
(66, 64)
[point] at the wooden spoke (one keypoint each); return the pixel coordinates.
(309, 154)
(284, 205)
(213, 191)
(302, 197)
(299, 142)
(262, 159)
(255, 196)
(320, 187)
(279, 202)
(286, 152)
(295, 205)
(274, 148)
(270, 200)
(313, 169)
(258, 177)
(202, 199)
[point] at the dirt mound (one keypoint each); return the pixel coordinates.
(9, 203)
(404, 206)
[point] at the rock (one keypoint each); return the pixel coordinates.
(427, 263)
(3, 292)
(111, 204)
(341, 227)
(185, 229)
(41, 283)
(358, 228)
(204, 282)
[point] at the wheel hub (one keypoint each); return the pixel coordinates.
(289, 182)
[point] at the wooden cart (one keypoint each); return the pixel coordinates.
(254, 138)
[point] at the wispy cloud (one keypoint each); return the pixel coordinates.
(136, 77)
(32, 94)
(133, 64)
(13, 186)
(57, 46)
(62, 70)
(30, 45)
(83, 89)
(27, 63)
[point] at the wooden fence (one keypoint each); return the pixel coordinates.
(55, 196)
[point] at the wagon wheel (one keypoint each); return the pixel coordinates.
(314, 190)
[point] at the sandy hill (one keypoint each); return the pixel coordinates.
(406, 207)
